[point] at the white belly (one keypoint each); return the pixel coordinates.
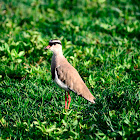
(59, 82)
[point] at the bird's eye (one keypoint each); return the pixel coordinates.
(50, 44)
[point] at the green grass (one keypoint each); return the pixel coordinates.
(100, 39)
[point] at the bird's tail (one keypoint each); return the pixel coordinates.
(91, 98)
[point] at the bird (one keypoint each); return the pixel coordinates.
(65, 75)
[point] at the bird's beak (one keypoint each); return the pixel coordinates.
(47, 47)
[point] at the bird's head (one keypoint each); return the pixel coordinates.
(55, 46)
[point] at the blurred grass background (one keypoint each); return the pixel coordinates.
(100, 39)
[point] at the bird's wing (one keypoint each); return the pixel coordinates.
(69, 76)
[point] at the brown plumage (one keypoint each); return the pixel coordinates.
(65, 75)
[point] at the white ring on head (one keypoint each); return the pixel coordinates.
(55, 40)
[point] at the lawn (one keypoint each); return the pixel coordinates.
(100, 38)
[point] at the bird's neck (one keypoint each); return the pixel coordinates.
(57, 58)
(58, 53)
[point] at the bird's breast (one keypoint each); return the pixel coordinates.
(60, 83)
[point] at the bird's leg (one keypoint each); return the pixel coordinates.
(65, 100)
(69, 100)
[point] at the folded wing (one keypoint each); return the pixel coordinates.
(70, 77)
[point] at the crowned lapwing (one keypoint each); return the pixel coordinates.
(65, 75)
